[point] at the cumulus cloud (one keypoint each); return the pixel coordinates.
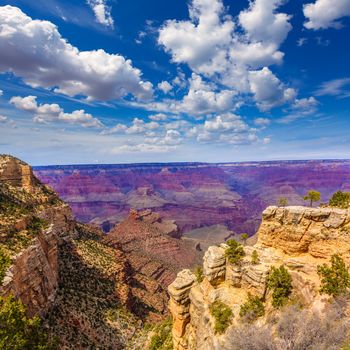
(324, 14)
(3, 119)
(268, 90)
(262, 122)
(226, 128)
(35, 51)
(138, 126)
(215, 45)
(158, 117)
(262, 23)
(102, 12)
(45, 113)
(165, 87)
(1, 92)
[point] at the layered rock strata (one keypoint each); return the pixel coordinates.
(297, 237)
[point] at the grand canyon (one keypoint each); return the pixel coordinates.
(209, 202)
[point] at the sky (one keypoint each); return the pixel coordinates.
(116, 81)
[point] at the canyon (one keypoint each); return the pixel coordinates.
(209, 202)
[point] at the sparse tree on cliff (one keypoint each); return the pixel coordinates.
(255, 258)
(280, 282)
(312, 196)
(234, 252)
(335, 279)
(244, 237)
(282, 202)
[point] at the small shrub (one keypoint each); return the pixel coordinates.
(335, 279)
(255, 258)
(280, 282)
(282, 202)
(5, 263)
(340, 200)
(36, 225)
(198, 272)
(244, 237)
(162, 339)
(252, 309)
(222, 314)
(234, 252)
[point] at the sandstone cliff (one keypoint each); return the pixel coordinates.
(298, 238)
(32, 221)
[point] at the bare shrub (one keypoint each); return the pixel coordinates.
(296, 329)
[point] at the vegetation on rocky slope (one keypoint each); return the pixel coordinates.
(19, 332)
(222, 315)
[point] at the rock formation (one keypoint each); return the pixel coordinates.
(154, 257)
(297, 237)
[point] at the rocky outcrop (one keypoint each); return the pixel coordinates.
(297, 237)
(32, 221)
(319, 232)
(17, 173)
(154, 257)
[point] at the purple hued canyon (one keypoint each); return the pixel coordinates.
(209, 202)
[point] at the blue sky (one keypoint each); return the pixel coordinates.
(114, 81)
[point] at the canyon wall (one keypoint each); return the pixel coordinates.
(209, 202)
(33, 274)
(298, 238)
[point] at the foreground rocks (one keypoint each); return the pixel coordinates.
(297, 237)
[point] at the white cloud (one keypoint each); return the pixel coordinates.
(228, 122)
(268, 90)
(142, 148)
(158, 117)
(262, 122)
(35, 51)
(326, 13)
(165, 87)
(102, 12)
(226, 128)
(301, 41)
(138, 126)
(336, 87)
(1, 92)
(262, 23)
(266, 140)
(301, 108)
(226, 50)
(45, 113)
(3, 119)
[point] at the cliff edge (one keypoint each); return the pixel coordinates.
(298, 238)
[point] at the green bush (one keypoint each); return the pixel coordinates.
(280, 282)
(36, 225)
(282, 202)
(234, 252)
(255, 258)
(335, 279)
(162, 339)
(252, 309)
(340, 200)
(5, 263)
(17, 331)
(198, 272)
(222, 314)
